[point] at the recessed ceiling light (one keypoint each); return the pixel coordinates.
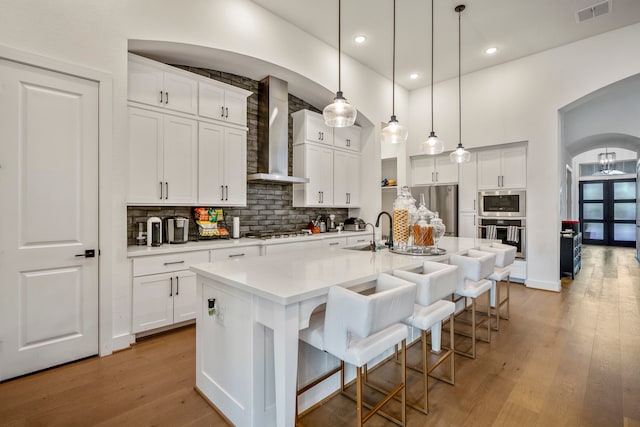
(491, 50)
(414, 76)
(360, 39)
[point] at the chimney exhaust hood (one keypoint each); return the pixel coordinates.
(273, 134)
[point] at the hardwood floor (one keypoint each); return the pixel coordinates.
(568, 359)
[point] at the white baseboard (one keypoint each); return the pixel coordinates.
(120, 342)
(554, 286)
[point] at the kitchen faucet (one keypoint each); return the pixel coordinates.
(390, 238)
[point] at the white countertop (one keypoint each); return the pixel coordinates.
(203, 245)
(288, 278)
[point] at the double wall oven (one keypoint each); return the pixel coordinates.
(502, 217)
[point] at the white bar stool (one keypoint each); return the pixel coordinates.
(475, 267)
(358, 328)
(505, 256)
(436, 282)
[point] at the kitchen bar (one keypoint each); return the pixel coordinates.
(249, 314)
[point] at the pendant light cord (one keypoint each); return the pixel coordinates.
(339, 50)
(393, 73)
(459, 80)
(432, 66)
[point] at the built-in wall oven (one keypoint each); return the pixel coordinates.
(502, 203)
(510, 231)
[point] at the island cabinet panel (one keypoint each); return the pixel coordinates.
(227, 371)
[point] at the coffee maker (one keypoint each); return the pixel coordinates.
(154, 231)
(176, 230)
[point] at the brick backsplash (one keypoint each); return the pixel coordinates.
(268, 205)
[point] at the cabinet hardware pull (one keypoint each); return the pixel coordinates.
(348, 142)
(361, 240)
(498, 180)
(177, 285)
(166, 196)
(474, 205)
(222, 111)
(222, 192)
(161, 97)
(437, 177)
(161, 192)
(171, 286)
(226, 115)
(334, 243)
(166, 97)
(173, 262)
(226, 197)
(235, 255)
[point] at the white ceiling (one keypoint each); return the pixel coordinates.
(517, 28)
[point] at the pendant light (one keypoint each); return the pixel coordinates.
(433, 144)
(394, 133)
(340, 113)
(459, 155)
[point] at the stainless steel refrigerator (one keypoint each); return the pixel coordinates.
(442, 199)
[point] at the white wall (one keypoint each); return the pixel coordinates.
(519, 101)
(95, 34)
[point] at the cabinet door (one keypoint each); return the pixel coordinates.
(146, 180)
(346, 179)
(235, 105)
(316, 130)
(489, 170)
(335, 242)
(145, 83)
(184, 296)
(446, 171)
(152, 301)
(319, 170)
(180, 160)
(180, 93)
(514, 167)
(347, 138)
(235, 167)
(467, 186)
(467, 225)
(422, 170)
(211, 101)
(211, 164)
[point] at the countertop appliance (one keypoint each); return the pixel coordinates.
(154, 231)
(176, 230)
(444, 200)
(354, 224)
(502, 203)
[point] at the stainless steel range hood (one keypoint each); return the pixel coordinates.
(273, 133)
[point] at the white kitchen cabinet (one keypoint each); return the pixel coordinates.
(334, 242)
(347, 138)
(433, 170)
(159, 85)
(164, 290)
(467, 185)
(222, 102)
(316, 163)
(235, 253)
(467, 224)
(295, 246)
(502, 168)
(309, 126)
(364, 238)
(346, 179)
(163, 158)
(222, 165)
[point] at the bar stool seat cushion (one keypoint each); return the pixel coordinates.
(473, 289)
(505, 254)
(500, 274)
(362, 350)
(425, 317)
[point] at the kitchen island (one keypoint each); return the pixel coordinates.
(247, 344)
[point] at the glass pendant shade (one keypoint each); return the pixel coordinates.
(394, 132)
(340, 113)
(607, 161)
(460, 155)
(433, 145)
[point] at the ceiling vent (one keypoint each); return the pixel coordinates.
(593, 11)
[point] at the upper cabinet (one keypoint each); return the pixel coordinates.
(502, 168)
(433, 170)
(161, 86)
(467, 185)
(222, 102)
(330, 158)
(162, 158)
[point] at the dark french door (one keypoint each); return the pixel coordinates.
(608, 212)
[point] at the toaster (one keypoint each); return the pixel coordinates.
(354, 224)
(176, 230)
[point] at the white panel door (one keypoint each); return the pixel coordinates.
(235, 105)
(152, 301)
(514, 167)
(423, 170)
(145, 83)
(211, 101)
(489, 171)
(211, 163)
(235, 167)
(49, 216)
(319, 170)
(146, 174)
(446, 171)
(180, 93)
(184, 296)
(180, 149)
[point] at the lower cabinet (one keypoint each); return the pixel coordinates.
(467, 224)
(164, 290)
